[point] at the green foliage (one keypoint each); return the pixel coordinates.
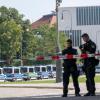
(17, 38)
(11, 28)
(46, 40)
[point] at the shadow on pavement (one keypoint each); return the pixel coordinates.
(55, 97)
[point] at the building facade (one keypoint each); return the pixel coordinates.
(75, 21)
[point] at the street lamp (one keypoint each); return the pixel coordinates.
(57, 6)
(58, 62)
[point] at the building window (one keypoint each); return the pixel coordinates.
(75, 36)
(88, 15)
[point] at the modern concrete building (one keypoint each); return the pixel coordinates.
(75, 21)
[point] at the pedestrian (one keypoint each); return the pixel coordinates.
(89, 47)
(70, 68)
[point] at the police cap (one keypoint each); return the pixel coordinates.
(85, 35)
(69, 41)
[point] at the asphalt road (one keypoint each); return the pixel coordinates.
(54, 98)
(40, 94)
(21, 93)
(27, 92)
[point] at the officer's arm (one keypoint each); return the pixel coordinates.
(63, 52)
(92, 48)
(81, 47)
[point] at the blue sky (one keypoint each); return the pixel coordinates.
(35, 9)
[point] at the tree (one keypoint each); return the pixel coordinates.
(45, 38)
(11, 29)
(16, 35)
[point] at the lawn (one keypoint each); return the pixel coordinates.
(83, 79)
(31, 81)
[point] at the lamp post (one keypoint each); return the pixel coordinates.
(58, 62)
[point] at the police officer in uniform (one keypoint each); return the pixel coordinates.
(70, 68)
(89, 47)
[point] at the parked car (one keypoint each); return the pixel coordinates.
(12, 73)
(97, 69)
(43, 75)
(29, 76)
(41, 72)
(51, 75)
(39, 75)
(51, 70)
(26, 77)
(18, 76)
(28, 72)
(10, 77)
(2, 77)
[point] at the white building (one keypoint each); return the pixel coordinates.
(75, 21)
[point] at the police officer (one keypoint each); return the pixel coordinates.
(70, 68)
(89, 47)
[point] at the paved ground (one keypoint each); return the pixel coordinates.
(54, 98)
(40, 91)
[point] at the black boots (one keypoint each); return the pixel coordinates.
(65, 91)
(77, 95)
(64, 95)
(89, 94)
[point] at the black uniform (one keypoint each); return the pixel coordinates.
(70, 67)
(89, 65)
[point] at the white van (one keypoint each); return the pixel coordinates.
(12, 73)
(51, 70)
(41, 71)
(28, 72)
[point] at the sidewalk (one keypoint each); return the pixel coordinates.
(26, 90)
(48, 86)
(43, 85)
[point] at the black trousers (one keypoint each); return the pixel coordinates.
(66, 76)
(90, 75)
